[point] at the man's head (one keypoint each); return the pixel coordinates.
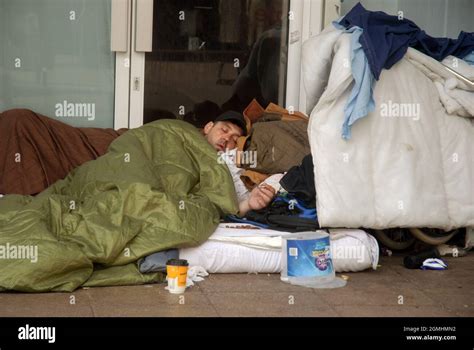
(223, 133)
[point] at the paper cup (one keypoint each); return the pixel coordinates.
(177, 271)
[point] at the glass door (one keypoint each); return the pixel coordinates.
(56, 60)
(122, 63)
(210, 56)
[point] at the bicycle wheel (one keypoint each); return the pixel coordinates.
(395, 238)
(432, 236)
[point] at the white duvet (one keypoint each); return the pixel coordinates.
(413, 170)
(455, 94)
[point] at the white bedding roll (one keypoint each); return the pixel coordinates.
(224, 257)
(352, 250)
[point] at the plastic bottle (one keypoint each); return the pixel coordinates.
(284, 261)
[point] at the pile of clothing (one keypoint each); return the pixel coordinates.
(378, 42)
(279, 139)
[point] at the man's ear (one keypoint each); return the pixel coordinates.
(208, 127)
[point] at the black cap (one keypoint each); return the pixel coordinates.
(235, 118)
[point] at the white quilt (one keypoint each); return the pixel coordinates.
(456, 95)
(413, 170)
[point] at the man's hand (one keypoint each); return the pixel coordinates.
(259, 198)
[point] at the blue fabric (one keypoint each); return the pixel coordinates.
(361, 101)
(156, 262)
(293, 208)
(469, 58)
(385, 39)
(434, 264)
(305, 213)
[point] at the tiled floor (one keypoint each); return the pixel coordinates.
(392, 290)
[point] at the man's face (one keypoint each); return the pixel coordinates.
(222, 135)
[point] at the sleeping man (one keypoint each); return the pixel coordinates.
(222, 134)
(54, 149)
(155, 188)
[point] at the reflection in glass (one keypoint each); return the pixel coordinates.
(214, 55)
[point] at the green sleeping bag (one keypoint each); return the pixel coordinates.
(159, 186)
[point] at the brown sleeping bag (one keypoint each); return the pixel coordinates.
(36, 151)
